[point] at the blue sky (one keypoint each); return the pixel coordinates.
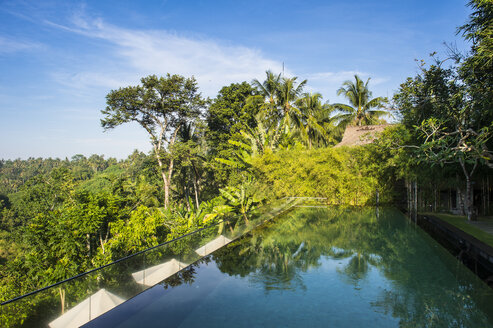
(59, 59)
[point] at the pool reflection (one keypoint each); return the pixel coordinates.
(320, 267)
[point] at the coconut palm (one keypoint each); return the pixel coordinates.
(287, 94)
(266, 99)
(314, 122)
(276, 100)
(268, 88)
(362, 109)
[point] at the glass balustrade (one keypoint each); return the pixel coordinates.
(80, 299)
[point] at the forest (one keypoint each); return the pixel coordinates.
(254, 142)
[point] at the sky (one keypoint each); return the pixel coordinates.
(59, 59)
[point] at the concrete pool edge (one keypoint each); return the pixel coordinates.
(473, 253)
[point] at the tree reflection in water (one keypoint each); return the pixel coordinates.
(428, 286)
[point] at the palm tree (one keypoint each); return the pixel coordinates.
(287, 94)
(266, 99)
(268, 89)
(314, 123)
(276, 99)
(362, 109)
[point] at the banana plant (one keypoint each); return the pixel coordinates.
(240, 200)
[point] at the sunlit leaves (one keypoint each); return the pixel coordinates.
(363, 110)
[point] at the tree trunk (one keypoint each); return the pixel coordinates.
(435, 204)
(168, 184)
(415, 196)
(246, 218)
(469, 191)
(166, 190)
(195, 185)
(196, 191)
(468, 198)
(408, 188)
(461, 206)
(483, 194)
(187, 195)
(101, 242)
(62, 299)
(488, 194)
(449, 199)
(166, 179)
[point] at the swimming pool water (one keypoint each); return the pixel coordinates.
(318, 267)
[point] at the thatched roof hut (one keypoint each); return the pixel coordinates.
(361, 135)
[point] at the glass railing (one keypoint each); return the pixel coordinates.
(76, 301)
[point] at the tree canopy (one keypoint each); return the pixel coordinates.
(161, 106)
(362, 108)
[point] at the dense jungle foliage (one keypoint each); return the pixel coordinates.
(222, 157)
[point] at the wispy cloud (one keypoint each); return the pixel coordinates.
(340, 77)
(9, 45)
(83, 80)
(142, 52)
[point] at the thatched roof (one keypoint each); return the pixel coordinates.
(360, 135)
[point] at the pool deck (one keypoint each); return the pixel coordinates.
(470, 243)
(481, 229)
(486, 226)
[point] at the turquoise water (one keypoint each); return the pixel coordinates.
(318, 267)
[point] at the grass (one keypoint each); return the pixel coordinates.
(461, 223)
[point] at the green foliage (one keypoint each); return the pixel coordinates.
(443, 110)
(258, 141)
(162, 106)
(242, 199)
(289, 117)
(138, 232)
(338, 174)
(315, 124)
(363, 110)
(479, 30)
(228, 114)
(476, 69)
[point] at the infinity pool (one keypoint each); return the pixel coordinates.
(318, 267)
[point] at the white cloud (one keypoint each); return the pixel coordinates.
(213, 63)
(334, 77)
(342, 76)
(84, 80)
(8, 45)
(137, 53)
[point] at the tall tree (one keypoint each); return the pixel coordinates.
(287, 94)
(228, 114)
(191, 156)
(476, 70)
(362, 109)
(315, 123)
(277, 101)
(449, 130)
(269, 88)
(161, 106)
